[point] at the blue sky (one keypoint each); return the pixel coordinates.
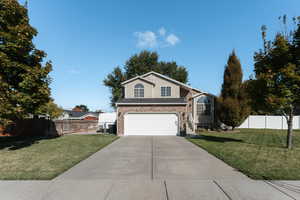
(85, 40)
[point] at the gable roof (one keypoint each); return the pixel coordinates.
(203, 93)
(135, 78)
(161, 76)
(170, 79)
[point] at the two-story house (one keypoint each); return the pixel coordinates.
(155, 104)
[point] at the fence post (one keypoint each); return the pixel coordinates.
(265, 121)
(249, 121)
(62, 128)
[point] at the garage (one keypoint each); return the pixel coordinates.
(151, 124)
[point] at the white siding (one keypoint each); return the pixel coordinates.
(160, 82)
(129, 89)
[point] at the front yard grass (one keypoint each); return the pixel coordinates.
(45, 158)
(258, 153)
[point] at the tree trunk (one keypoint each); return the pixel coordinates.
(289, 138)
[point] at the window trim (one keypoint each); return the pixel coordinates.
(164, 90)
(139, 90)
(206, 107)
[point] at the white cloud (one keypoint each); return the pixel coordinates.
(172, 39)
(150, 39)
(162, 31)
(146, 39)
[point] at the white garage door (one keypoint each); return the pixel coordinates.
(150, 124)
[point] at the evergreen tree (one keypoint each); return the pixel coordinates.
(24, 80)
(140, 64)
(232, 104)
(233, 77)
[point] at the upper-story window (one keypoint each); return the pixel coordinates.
(139, 90)
(204, 106)
(165, 91)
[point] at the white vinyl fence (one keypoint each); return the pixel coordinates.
(269, 122)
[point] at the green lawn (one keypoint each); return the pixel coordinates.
(260, 154)
(43, 159)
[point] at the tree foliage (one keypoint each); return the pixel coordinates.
(139, 64)
(81, 108)
(51, 109)
(113, 81)
(233, 105)
(24, 79)
(277, 75)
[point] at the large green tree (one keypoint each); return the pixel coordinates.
(139, 64)
(24, 80)
(233, 104)
(277, 75)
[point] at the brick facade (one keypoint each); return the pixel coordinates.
(180, 110)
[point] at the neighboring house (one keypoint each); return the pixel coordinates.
(78, 115)
(155, 104)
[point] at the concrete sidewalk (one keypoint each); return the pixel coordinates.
(156, 189)
(151, 168)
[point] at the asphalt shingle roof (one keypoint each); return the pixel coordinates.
(152, 101)
(77, 113)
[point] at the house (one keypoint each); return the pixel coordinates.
(78, 115)
(155, 104)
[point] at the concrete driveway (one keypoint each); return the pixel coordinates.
(149, 168)
(151, 158)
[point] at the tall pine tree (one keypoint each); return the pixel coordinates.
(232, 103)
(24, 80)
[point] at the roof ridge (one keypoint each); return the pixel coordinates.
(137, 77)
(171, 79)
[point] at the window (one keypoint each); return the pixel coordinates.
(165, 91)
(138, 90)
(204, 106)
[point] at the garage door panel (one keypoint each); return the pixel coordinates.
(150, 124)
